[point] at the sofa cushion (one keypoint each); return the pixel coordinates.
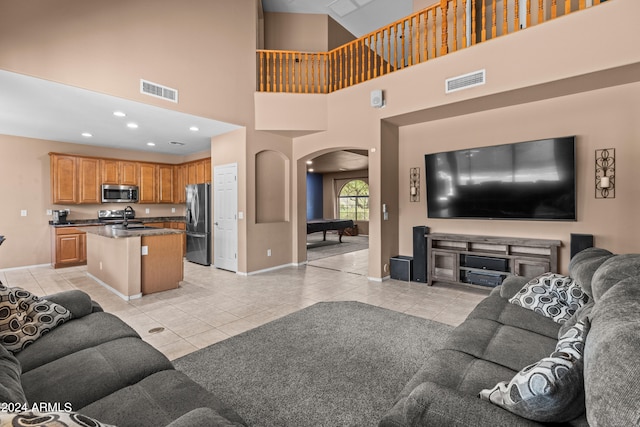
(551, 295)
(24, 318)
(612, 271)
(10, 385)
(77, 302)
(551, 390)
(53, 419)
(500, 310)
(584, 264)
(157, 400)
(73, 336)
(612, 359)
(88, 375)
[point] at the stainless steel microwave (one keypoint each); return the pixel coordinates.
(119, 193)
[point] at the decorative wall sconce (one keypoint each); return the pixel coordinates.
(605, 173)
(414, 184)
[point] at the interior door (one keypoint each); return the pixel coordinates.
(225, 214)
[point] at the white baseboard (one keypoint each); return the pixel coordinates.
(266, 270)
(378, 279)
(25, 267)
(121, 295)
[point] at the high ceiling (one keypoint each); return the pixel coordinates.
(37, 108)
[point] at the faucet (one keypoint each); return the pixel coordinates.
(126, 211)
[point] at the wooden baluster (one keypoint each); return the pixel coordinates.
(362, 59)
(410, 42)
(473, 22)
(444, 6)
(425, 36)
(286, 71)
(464, 24)
(505, 19)
(389, 49)
(554, 9)
(351, 62)
(516, 18)
(540, 11)
(567, 7)
(370, 57)
(260, 80)
(484, 21)
(455, 26)
(582, 4)
(395, 47)
(306, 72)
(528, 13)
(274, 76)
(434, 24)
(494, 21)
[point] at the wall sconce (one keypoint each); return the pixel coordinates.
(605, 173)
(414, 184)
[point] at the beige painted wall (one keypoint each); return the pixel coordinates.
(303, 32)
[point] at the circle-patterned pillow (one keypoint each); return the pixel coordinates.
(552, 295)
(24, 317)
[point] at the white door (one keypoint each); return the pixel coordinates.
(225, 222)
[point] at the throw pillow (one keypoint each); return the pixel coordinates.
(54, 419)
(24, 317)
(551, 390)
(552, 295)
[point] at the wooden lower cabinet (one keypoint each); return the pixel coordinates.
(69, 247)
(162, 268)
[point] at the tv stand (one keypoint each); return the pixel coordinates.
(487, 260)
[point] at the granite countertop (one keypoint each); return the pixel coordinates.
(95, 221)
(114, 233)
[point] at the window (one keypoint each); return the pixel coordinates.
(354, 201)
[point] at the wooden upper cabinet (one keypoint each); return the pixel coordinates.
(128, 173)
(64, 179)
(165, 184)
(147, 183)
(119, 172)
(88, 180)
(199, 171)
(179, 183)
(207, 170)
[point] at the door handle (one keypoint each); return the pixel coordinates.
(215, 223)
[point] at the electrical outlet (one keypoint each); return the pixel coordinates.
(268, 252)
(173, 210)
(145, 250)
(147, 210)
(49, 212)
(23, 212)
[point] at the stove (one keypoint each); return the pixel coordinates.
(116, 216)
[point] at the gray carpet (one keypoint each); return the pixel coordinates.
(318, 249)
(331, 364)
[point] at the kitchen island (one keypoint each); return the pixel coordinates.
(132, 262)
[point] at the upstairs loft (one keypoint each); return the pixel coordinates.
(440, 29)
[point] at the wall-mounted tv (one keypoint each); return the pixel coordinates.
(533, 180)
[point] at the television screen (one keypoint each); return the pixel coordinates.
(532, 180)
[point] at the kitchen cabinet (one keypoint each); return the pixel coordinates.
(88, 180)
(179, 184)
(147, 183)
(207, 169)
(64, 179)
(165, 184)
(69, 247)
(119, 172)
(199, 171)
(74, 179)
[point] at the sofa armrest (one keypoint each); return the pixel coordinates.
(202, 417)
(512, 285)
(430, 404)
(77, 302)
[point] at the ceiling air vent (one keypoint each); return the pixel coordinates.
(465, 81)
(158, 91)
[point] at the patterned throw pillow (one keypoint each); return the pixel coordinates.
(552, 295)
(54, 419)
(551, 390)
(25, 317)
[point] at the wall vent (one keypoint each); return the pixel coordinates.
(465, 81)
(158, 91)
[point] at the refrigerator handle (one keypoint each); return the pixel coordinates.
(196, 207)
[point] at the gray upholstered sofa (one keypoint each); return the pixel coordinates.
(498, 339)
(97, 366)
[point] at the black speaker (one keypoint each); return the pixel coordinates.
(420, 253)
(580, 242)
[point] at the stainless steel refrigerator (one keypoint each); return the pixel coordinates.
(198, 219)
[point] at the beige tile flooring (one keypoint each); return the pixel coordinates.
(212, 305)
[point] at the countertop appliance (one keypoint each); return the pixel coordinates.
(60, 216)
(119, 193)
(198, 220)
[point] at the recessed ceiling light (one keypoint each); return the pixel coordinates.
(132, 125)
(151, 144)
(119, 114)
(310, 170)
(309, 162)
(194, 129)
(87, 134)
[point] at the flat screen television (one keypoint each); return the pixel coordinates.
(533, 180)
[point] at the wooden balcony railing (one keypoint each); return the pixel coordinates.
(445, 27)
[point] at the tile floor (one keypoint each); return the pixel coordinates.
(212, 305)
